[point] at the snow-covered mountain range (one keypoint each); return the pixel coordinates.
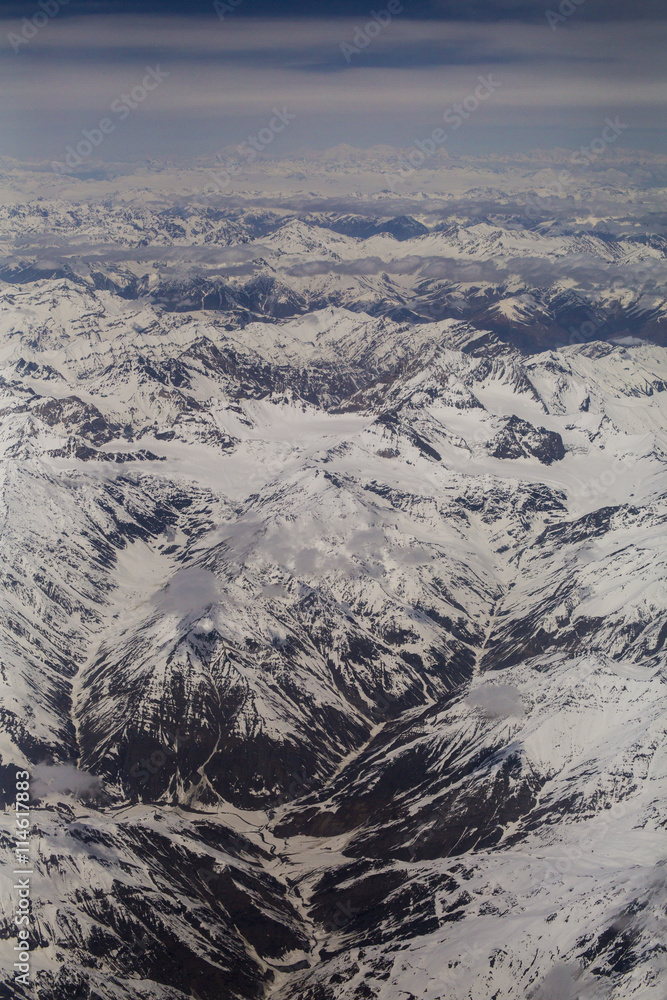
(534, 285)
(334, 609)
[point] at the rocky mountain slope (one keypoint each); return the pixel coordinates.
(333, 636)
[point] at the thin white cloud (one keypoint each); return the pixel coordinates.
(188, 592)
(498, 701)
(59, 779)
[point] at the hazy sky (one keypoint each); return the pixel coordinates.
(217, 77)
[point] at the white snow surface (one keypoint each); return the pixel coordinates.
(382, 604)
